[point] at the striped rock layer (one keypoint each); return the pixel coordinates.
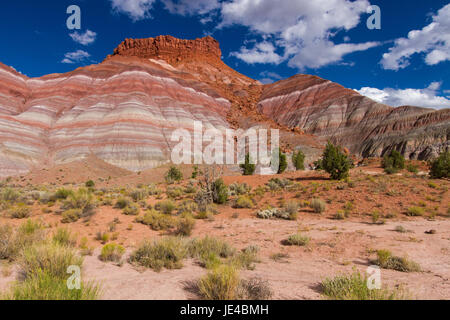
(365, 127)
(125, 109)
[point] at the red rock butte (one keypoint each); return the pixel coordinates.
(124, 110)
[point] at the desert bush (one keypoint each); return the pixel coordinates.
(173, 175)
(13, 241)
(256, 289)
(64, 237)
(386, 260)
(440, 167)
(238, 189)
(201, 248)
(184, 226)
(318, 205)
(187, 206)
(298, 159)
(19, 211)
(415, 211)
(400, 229)
(246, 258)
(222, 283)
(9, 195)
(131, 210)
(71, 215)
(276, 184)
(82, 199)
(165, 253)
(244, 202)
(220, 192)
(412, 168)
(89, 184)
(112, 252)
(122, 203)
(267, 213)
(153, 190)
(166, 206)
(340, 215)
(62, 193)
(44, 286)
(291, 209)
(195, 172)
(156, 220)
(174, 192)
(393, 162)
(354, 287)
(138, 194)
(51, 258)
(190, 188)
(336, 162)
(297, 240)
(8, 247)
(248, 167)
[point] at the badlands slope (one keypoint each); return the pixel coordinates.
(124, 110)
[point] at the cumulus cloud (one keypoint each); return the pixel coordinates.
(427, 97)
(135, 9)
(84, 38)
(433, 41)
(191, 7)
(268, 77)
(263, 52)
(75, 57)
(304, 29)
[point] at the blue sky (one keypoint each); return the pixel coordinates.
(407, 61)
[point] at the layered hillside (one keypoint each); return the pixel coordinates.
(365, 127)
(123, 111)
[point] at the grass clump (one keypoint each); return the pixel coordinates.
(244, 202)
(71, 215)
(166, 206)
(222, 283)
(156, 220)
(83, 200)
(354, 287)
(165, 253)
(297, 240)
(184, 226)
(318, 205)
(64, 237)
(415, 211)
(131, 210)
(122, 203)
(386, 260)
(19, 211)
(112, 252)
(138, 194)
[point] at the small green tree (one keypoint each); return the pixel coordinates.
(440, 167)
(174, 174)
(393, 162)
(89, 184)
(298, 159)
(335, 162)
(248, 168)
(220, 192)
(195, 172)
(283, 162)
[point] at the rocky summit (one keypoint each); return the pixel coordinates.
(124, 110)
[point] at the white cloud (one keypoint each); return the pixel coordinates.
(269, 77)
(76, 56)
(263, 52)
(135, 9)
(427, 97)
(191, 7)
(304, 29)
(84, 38)
(433, 40)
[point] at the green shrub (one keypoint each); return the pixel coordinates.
(64, 237)
(195, 172)
(112, 252)
(298, 159)
(185, 226)
(9, 195)
(44, 286)
(131, 210)
(282, 165)
(335, 162)
(173, 175)
(440, 167)
(51, 258)
(90, 184)
(174, 192)
(220, 192)
(62, 193)
(13, 241)
(82, 199)
(297, 240)
(354, 287)
(412, 168)
(122, 203)
(71, 215)
(7, 246)
(317, 205)
(199, 248)
(248, 168)
(415, 211)
(156, 220)
(386, 260)
(246, 258)
(166, 206)
(138, 194)
(19, 211)
(291, 208)
(222, 283)
(393, 162)
(165, 253)
(244, 202)
(238, 189)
